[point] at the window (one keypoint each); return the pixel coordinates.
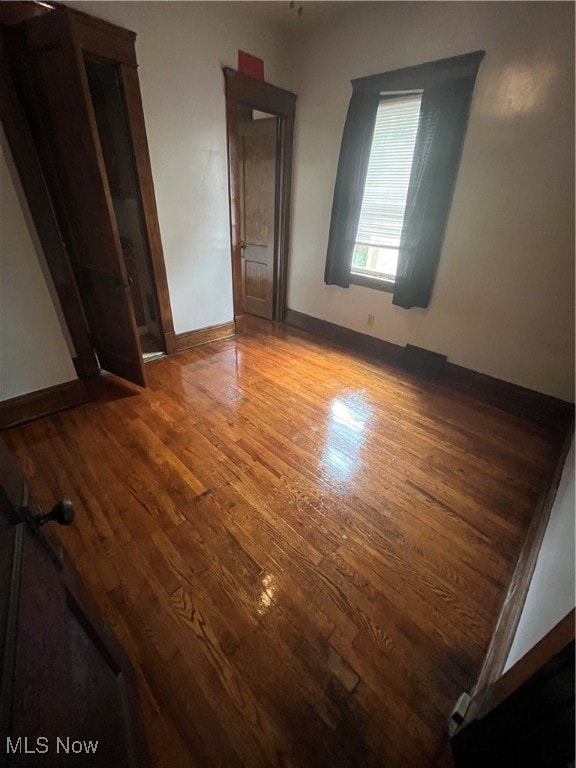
(384, 202)
(399, 159)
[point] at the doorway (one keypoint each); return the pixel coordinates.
(75, 96)
(260, 126)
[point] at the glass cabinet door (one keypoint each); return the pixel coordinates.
(117, 151)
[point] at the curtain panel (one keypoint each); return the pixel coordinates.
(349, 188)
(443, 118)
(447, 86)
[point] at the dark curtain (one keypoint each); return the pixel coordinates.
(443, 118)
(349, 187)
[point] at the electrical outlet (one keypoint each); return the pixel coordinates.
(370, 321)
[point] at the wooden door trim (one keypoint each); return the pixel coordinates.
(258, 94)
(491, 684)
(42, 211)
(136, 125)
(205, 335)
(53, 35)
(103, 39)
(100, 38)
(511, 611)
(557, 641)
(241, 90)
(553, 643)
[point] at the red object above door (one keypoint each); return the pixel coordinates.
(250, 65)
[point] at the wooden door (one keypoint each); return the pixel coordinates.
(67, 135)
(67, 695)
(258, 139)
(526, 718)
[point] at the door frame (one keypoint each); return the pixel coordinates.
(96, 38)
(243, 91)
(35, 188)
(99, 38)
(492, 710)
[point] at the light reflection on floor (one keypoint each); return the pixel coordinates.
(348, 417)
(265, 601)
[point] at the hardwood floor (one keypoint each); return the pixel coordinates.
(303, 551)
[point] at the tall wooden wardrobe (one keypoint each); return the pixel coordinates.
(75, 79)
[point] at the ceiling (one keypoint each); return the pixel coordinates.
(313, 13)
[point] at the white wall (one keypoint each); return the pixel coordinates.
(33, 351)
(503, 302)
(551, 593)
(181, 49)
(504, 297)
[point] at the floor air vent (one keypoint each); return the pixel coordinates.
(423, 363)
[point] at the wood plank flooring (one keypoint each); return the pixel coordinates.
(303, 552)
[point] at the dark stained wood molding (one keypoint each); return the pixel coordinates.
(17, 11)
(102, 39)
(232, 117)
(39, 200)
(111, 41)
(259, 94)
(559, 637)
(241, 92)
(133, 100)
(509, 618)
(550, 646)
(205, 336)
(286, 139)
(345, 337)
(65, 131)
(549, 412)
(99, 38)
(43, 402)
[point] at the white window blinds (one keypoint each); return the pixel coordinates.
(388, 176)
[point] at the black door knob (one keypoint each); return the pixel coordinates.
(61, 513)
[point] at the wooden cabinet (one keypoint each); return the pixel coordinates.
(67, 692)
(76, 78)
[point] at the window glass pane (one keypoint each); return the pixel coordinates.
(378, 261)
(387, 180)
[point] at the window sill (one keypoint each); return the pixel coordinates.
(372, 282)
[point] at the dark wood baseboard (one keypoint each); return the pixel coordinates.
(385, 351)
(511, 611)
(550, 412)
(170, 342)
(205, 336)
(547, 411)
(33, 405)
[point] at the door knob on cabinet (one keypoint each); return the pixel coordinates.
(61, 513)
